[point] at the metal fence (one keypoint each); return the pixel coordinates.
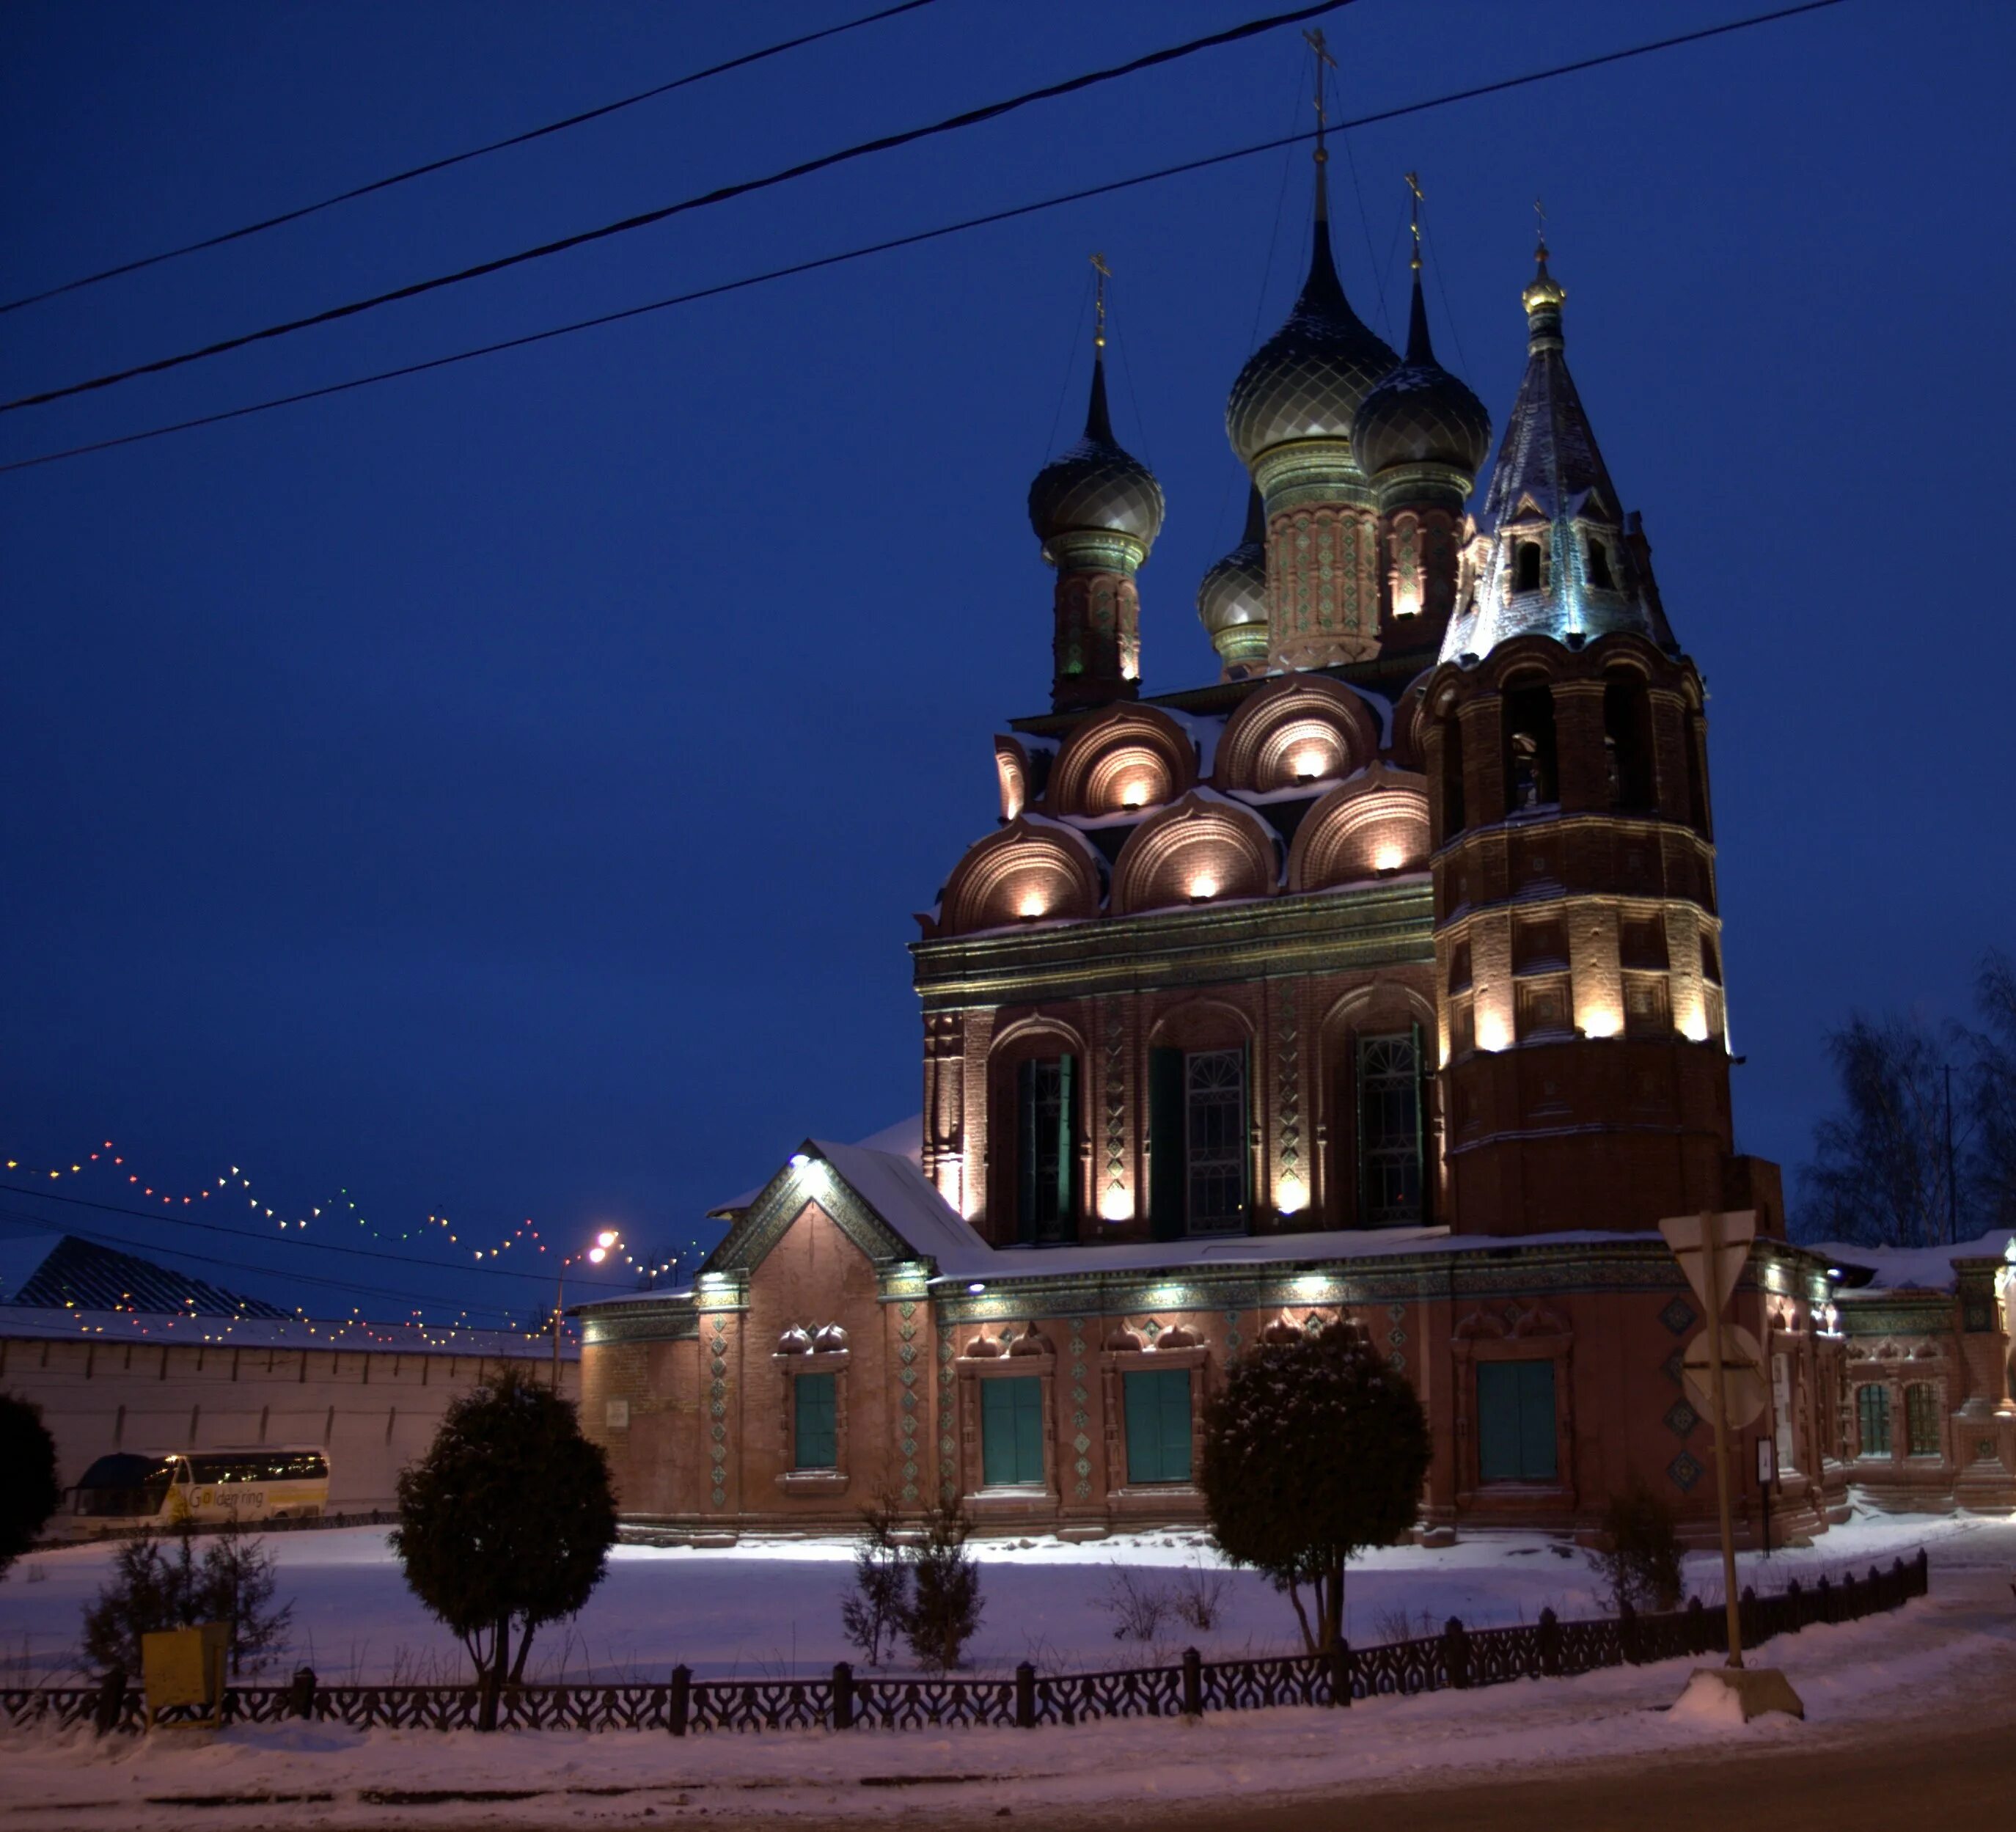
(845, 1699)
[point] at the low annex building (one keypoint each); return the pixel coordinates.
(1380, 981)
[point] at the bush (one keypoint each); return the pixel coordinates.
(508, 1519)
(881, 1594)
(151, 1590)
(1137, 1604)
(945, 1606)
(29, 1495)
(1312, 1450)
(1641, 1565)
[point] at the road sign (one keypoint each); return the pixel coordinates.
(1736, 1230)
(1743, 1389)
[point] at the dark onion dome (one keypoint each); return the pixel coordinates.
(1234, 592)
(1420, 414)
(1096, 486)
(1306, 381)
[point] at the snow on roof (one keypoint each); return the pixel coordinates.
(352, 1333)
(899, 1192)
(1917, 1269)
(904, 1140)
(1259, 1249)
(1203, 730)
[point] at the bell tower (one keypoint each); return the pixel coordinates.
(1583, 1034)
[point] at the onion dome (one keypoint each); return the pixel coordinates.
(1420, 413)
(1306, 381)
(1233, 594)
(1097, 486)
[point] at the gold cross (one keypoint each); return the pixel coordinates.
(1098, 299)
(1540, 227)
(1414, 213)
(1322, 57)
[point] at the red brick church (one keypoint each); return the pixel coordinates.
(1380, 979)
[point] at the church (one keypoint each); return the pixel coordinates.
(1379, 980)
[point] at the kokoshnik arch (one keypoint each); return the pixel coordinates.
(1377, 985)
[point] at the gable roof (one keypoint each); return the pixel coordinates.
(53, 1271)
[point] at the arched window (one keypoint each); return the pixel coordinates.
(1597, 550)
(1872, 1419)
(1526, 567)
(1530, 778)
(1921, 1419)
(1452, 808)
(1627, 742)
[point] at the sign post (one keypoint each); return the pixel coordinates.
(1723, 1366)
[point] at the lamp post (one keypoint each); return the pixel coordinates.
(605, 1242)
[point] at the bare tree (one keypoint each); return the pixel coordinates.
(1923, 1151)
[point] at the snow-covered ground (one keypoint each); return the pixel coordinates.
(770, 1609)
(1950, 1658)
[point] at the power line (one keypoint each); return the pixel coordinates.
(208, 1259)
(405, 1259)
(826, 161)
(900, 241)
(435, 165)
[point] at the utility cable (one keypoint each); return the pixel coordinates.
(406, 1259)
(435, 165)
(644, 219)
(122, 1246)
(908, 241)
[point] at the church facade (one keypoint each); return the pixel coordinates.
(1380, 981)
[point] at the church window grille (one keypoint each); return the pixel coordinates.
(1011, 1432)
(1158, 1425)
(1515, 1421)
(1872, 1419)
(1214, 1139)
(1921, 1419)
(1389, 1130)
(815, 1422)
(1046, 1159)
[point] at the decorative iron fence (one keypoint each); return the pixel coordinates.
(1458, 1656)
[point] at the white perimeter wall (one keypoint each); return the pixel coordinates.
(373, 1410)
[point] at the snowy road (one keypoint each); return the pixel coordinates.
(1945, 1662)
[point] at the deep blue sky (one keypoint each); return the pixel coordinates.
(505, 792)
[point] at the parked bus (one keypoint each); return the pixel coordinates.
(141, 1489)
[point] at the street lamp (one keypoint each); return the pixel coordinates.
(607, 1242)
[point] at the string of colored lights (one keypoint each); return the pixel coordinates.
(108, 1158)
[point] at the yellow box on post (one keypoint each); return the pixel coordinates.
(184, 1666)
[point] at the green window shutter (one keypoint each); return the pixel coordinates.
(1246, 1138)
(1497, 1421)
(1424, 1168)
(1536, 1420)
(1166, 1167)
(1011, 1431)
(1158, 1425)
(1515, 1421)
(1067, 1178)
(1025, 1151)
(815, 1438)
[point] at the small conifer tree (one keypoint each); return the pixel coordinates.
(1641, 1564)
(944, 1605)
(28, 1491)
(506, 1523)
(1312, 1450)
(874, 1612)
